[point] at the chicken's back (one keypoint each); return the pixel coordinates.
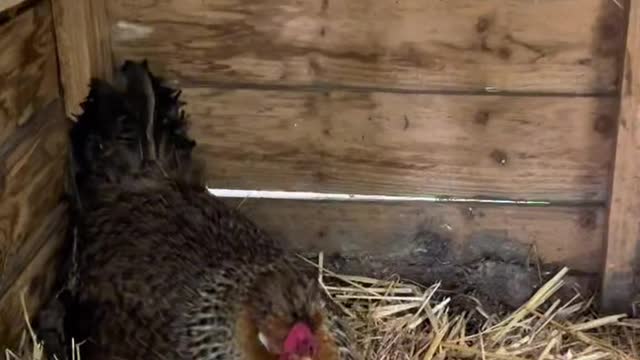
(148, 235)
(165, 270)
(152, 260)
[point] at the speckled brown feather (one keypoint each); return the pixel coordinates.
(166, 270)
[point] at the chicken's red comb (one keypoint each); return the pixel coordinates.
(300, 342)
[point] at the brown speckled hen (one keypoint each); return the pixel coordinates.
(166, 270)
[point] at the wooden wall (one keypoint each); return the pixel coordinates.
(32, 159)
(492, 99)
(465, 99)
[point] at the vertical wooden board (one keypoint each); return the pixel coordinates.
(622, 264)
(84, 48)
(549, 148)
(571, 236)
(31, 183)
(28, 68)
(550, 46)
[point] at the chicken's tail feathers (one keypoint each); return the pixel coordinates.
(135, 127)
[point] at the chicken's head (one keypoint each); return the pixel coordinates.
(287, 308)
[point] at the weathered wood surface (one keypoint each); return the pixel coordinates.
(84, 47)
(558, 235)
(622, 265)
(36, 277)
(486, 249)
(10, 5)
(31, 183)
(32, 155)
(400, 144)
(550, 46)
(28, 68)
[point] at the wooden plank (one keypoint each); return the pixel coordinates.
(28, 68)
(399, 144)
(83, 47)
(569, 236)
(31, 183)
(549, 46)
(36, 278)
(11, 4)
(485, 249)
(623, 236)
(37, 239)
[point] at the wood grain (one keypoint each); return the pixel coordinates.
(83, 47)
(549, 46)
(28, 68)
(622, 264)
(11, 4)
(548, 148)
(36, 278)
(561, 235)
(31, 184)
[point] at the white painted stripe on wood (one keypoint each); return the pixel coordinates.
(305, 195)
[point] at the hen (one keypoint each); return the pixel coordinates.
(165, 270)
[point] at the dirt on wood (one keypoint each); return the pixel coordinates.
(499, 273)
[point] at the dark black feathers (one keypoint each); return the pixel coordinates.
(132, 128)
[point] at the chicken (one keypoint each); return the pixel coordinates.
(165, 270)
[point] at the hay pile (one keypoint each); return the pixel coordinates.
(396, 320)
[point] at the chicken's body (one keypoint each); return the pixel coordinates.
(166, 270)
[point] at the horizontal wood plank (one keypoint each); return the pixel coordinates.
(550, 148)
(28, 67)
(31, 184)
(549, 46)
(36, 278)
(569, 236)
(488, 250)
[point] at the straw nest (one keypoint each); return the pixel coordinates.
(396, 320)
